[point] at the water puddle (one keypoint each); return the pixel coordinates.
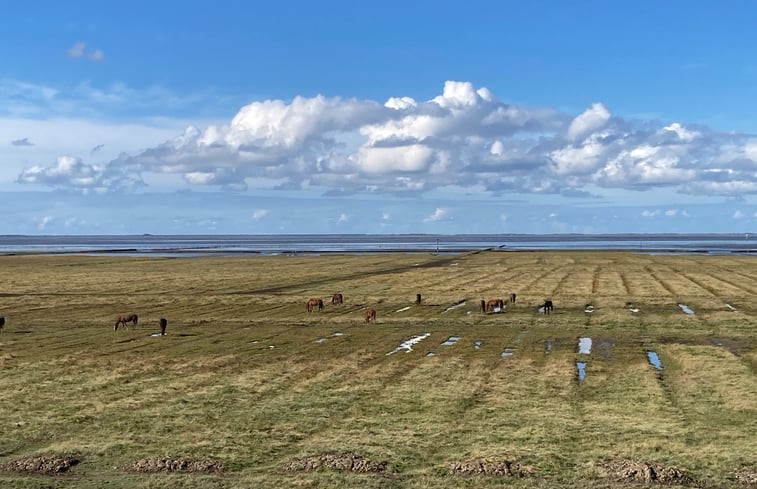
(407, 345)
(430, 354)
(320, 340)
(654, 360)
(453, 264)
(686, 309)
(589, 309)
(581, 370)
(477, 344)
(156, 335)
(403, 309)
(540, 310)
(634, 310)
(730, 307)
(497, 310)
(507, 353)
(453, 307)
(338, 334)
(271, 347)
(584, 346)
(451, 341)
(548, 345)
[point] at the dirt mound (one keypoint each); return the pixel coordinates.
(647, 472)
(498, 467)
(41, 464)
(747, 476)
(340, 461)
(166, 464)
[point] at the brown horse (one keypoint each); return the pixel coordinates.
(337, 299)
(312, 304)
(495, 303)
(2, 323)
(123, 319)
(512, 298)
(370, 315)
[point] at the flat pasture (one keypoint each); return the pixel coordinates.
(248, 379)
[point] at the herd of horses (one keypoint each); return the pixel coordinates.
(493, 305)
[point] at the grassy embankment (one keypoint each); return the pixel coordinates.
(240, 378)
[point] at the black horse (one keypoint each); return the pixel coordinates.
(2, 323)
(163, 324)
(548, 307)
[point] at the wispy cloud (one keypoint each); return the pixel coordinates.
(79, 50)
(438, 215)
(258, 214)
(22, 142)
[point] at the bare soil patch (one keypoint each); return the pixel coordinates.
(340, 461)
(41, 465)
(495, 467)
(166, 464)
(747, 476)
(646, 472)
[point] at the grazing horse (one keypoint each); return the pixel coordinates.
(123, 319)
(417, 298)
(163, 324)
(337, 299)
(495, 303)
(2, 323)
(548, 306)
(512, 298)
(313, 304)
(370, 315)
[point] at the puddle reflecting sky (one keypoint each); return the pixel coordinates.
(584, 346)
(685, 308)
(408, 344)
(581, 369)
(451, 340)
(654, 360)
(477, 344)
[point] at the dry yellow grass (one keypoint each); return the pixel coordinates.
(241, 379)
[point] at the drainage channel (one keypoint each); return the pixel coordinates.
(454, 306)
(581, 371)
(584, 346)
(654, 360)
(407, 345)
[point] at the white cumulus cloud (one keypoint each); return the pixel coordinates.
(437, 215)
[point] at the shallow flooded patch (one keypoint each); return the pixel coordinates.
(584, 346)
(477, 344)
(451, 341)
(338, 334)
(730, 307)
(634, 310)
(654, 360)
(589, 309)
(686, 309)
(430, 354)
(507, 353)
(320, 340)
(403, 309)
(407, 345)
(455, 306)
(581, 371)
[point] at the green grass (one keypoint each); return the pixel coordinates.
(213, 388)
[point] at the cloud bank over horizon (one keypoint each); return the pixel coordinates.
(464, 137)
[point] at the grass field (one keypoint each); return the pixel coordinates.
(241, 379)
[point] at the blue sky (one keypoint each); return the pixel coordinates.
(533, 117)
